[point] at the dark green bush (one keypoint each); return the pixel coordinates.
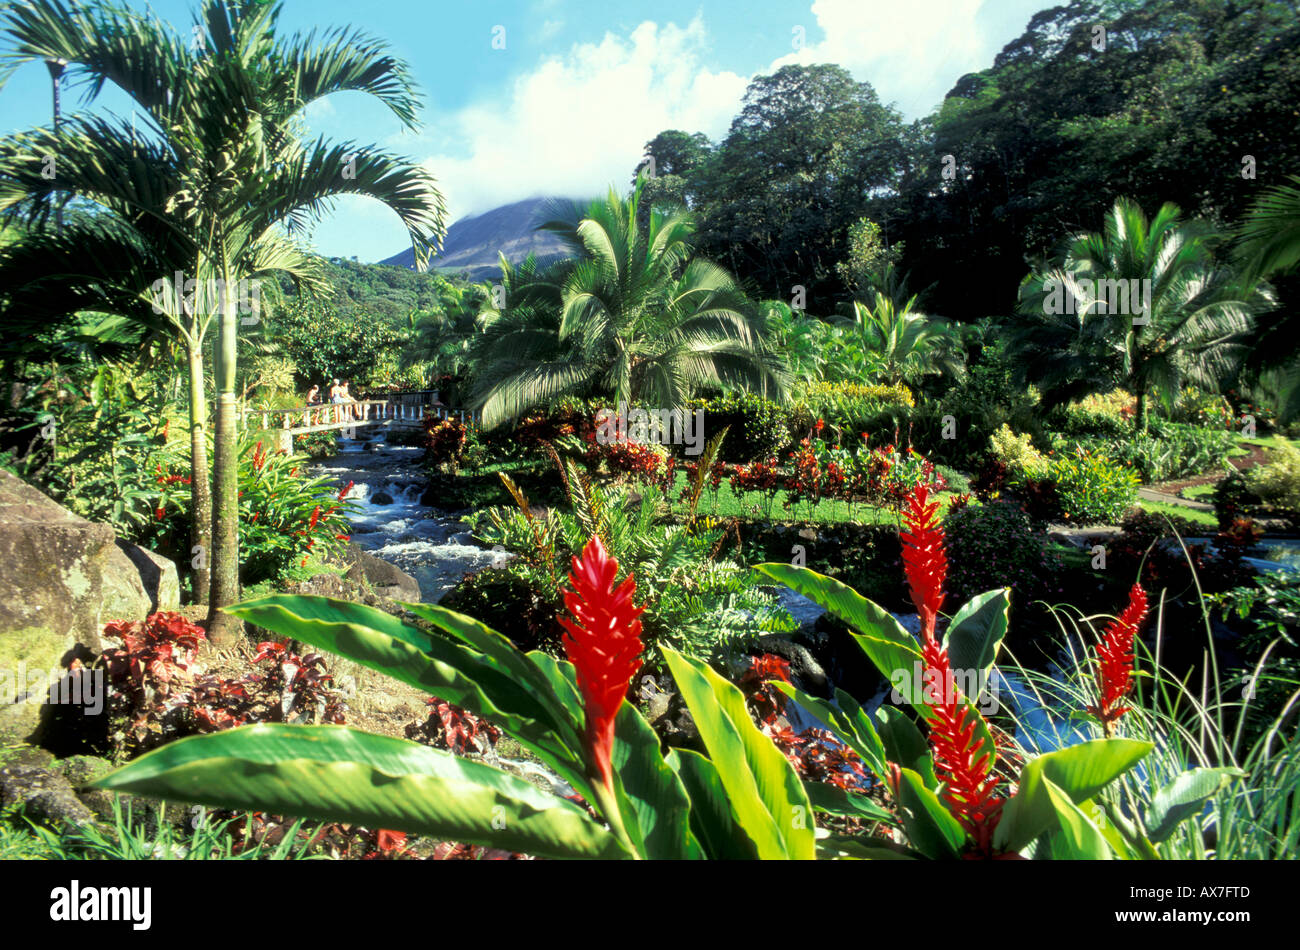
(758, 426)
(996, 545)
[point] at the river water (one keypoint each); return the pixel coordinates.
(429, 544)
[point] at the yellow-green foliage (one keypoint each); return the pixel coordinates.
(893, 395)
(1278, 482)
(1017, 452)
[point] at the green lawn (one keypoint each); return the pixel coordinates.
(1178, 511)
(1274, 441)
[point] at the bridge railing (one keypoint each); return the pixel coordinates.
(361, 412)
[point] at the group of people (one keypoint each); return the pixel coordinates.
(338, 395)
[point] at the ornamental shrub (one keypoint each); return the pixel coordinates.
(1017, 452)
(759, 428)
(848, 408)
(1278, 482)
(1092, 488)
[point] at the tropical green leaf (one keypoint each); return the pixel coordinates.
(766, 794)
(1081, 771)
(975, 634)
(890, 647)
(713, 821)
(334, 773)
(836, 801)
(452, 672)
(1078, 838)
(930, 826)
(652, 800)
(847, 721)
(1184, 796)
(905, 745)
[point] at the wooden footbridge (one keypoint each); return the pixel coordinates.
(348, 417)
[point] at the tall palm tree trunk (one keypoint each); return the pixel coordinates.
(200, 493)
(223, 628)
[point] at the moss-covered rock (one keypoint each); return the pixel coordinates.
(62, 579)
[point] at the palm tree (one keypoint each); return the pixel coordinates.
(1269, 245)
(800, 338)
(1270, 235)
(637, 318)
(121, 257)
(442, 338)
(901, 343)
(227, 170)
(1185, 319)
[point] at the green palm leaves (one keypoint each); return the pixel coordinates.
(1142, 304)
(219, 182)
(904, 343)
(633, 316)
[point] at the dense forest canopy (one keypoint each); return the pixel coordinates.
(1193, 103)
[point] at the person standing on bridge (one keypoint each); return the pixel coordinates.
(337, 399)
(313, 398)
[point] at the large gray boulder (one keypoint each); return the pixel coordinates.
(385, 579)
(61, 579)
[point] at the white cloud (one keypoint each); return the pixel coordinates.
(911, 51)
(578, 122)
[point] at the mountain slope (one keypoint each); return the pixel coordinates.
(472, 243)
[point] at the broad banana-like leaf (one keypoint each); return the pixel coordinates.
(1183, 797)
(930, 827)
(764, 790)
(975, 634)
(1080, 771)
(334, 773)
(1077, 839)
(836, 801)
(713, 821)
(847, 721)
(891, 648)
(905, 745)
(441, 667)
(653, 802)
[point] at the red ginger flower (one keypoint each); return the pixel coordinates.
(1115, 660)
(604, 646)
(924, 559)
(960, 761)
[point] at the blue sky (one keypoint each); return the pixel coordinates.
(581, 85)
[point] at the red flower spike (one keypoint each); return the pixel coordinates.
(346, 488)
(603, 643)
(315, 516)
(967, 772)
(1115, 661)
(969, 785)
(924, 559)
